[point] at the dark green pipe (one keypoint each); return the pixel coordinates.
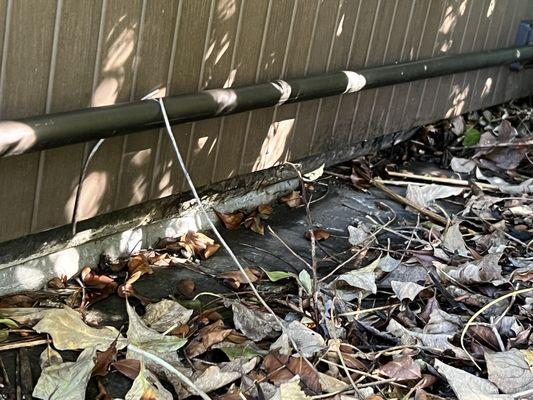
(54, 130)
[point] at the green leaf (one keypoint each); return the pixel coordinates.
(305, 281)
(471, 137)
(278, 275)
(9, 323)
(4, 334)
(234, 352)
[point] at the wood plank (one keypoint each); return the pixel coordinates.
(264, 141)
(300, 52)
(24, 89)
(153, 58)
(449, 94)
(113, 84)
(346, 114)
(70, 89)
(320, 50)
(414, 36)
(375, 56)
(382, 106)
(247, 58)
(324, 137)
(484, 79)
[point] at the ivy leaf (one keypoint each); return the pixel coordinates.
(471, 137)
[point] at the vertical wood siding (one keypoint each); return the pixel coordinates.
(59, 55)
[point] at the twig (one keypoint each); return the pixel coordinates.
(169, 367)
(20, 345)
(299, 257)
(401, 199)
(482, 310)
(449, 181)
(368, 310)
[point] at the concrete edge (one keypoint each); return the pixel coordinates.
(33, 273)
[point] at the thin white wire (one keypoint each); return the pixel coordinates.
(214, 228)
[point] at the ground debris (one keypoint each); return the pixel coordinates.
(405, 274)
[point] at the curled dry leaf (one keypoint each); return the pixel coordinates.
(207, 337)
(406, 290)
(427, 194)
(187, 288)
(139, 264)
(485, 270)
(319, 234)
(104, 360)
(292, 200)
(265, 209)
(215, 377)
(69, 332)
(198, 244)
(236, 278)
(232, 221)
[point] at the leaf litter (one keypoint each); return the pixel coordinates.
(435, 301)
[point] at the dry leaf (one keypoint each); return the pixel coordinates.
(69, 332)
(265, 209)
(146, 386)
(139, 264)
(187, 288)
(165, 314)
(236, 278)
(128, 367)
(66, 381)
(207, 337)
(232, 221)
(406, 290)
(319, 234)
(309, 342)
(453, 241)
(467, 386)
(484, 270)
(196, 243)
(282, 369)
(509, 371)
(104, 360)
(402, 368)
(255, 325)
(293, 199)
(427, 194)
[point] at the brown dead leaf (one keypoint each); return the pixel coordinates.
(139, 263)
(128, 367)
(210, 250)
(197, 243)
(401, 369)
(282, 368)
(104, 360)
(232, 221)
(17, 301)
(236, 279)
(187, 288)
(292, 200)
(207, 337)
(319, 234)
(265, 209)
